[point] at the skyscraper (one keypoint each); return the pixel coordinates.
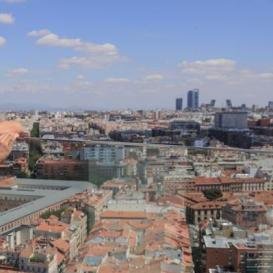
(231, 120)
(212, 103)
(228, 103)
(193, 99)
(179, 104)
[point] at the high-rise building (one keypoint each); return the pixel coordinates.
(179, 104)
(184, 125)
(212, 103)
(228, 103)
(231, 128)
(231, 120)
(193, 99)
(270, 105)
(103, 153)
(243, 107)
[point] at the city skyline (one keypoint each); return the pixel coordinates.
(103, 55)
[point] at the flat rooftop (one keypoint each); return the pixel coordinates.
(45, 193)
(221, 242)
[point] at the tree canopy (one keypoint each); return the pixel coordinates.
(212, 194)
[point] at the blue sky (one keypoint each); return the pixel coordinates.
(102, 54)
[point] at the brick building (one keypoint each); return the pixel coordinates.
(245, 212)
(199, 208)
(229, 184)
(61, 168)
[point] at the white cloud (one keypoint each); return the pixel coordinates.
(51, 39)
(154, 77)
(17, 72)
(79, 84)
(6, 18)
(2, 41)
(211, 67)
(38, 33)
(117, 80)
(80, 77)
(216, 79)
(88, 61)
(221, 70)
(266, 76)
(95, 55)
(221, 78)
(27, 87)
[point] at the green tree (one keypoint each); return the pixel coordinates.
(35, 131)
(35, 152)
(212, 194)
(56, 213)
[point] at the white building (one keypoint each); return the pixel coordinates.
(103, 153)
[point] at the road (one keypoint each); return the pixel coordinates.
(155, 145)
